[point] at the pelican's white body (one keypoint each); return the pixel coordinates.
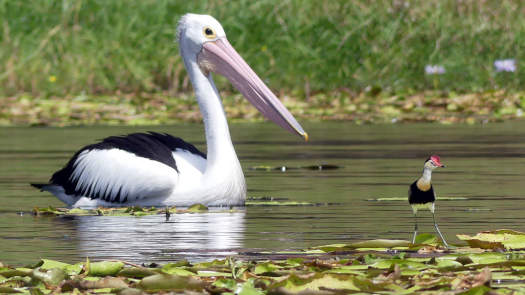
(151, 183)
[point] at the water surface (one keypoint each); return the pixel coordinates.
(485, 164)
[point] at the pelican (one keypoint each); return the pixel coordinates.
(152, 169)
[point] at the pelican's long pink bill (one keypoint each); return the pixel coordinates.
(219, 56)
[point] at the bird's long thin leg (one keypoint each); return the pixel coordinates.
(415, 229)
(438, 231)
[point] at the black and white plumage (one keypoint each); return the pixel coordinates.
(152, 169)
(109, 170)
(421, 194)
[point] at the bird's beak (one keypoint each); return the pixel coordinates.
(219, 57)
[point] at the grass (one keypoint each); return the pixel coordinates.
(70, 48)
(108, 46)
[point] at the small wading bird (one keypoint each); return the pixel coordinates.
(152, 169)
(421, 194)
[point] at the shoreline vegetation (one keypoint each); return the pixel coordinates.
(112, 62)
(365, 108)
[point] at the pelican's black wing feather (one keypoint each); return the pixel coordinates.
(153, 146)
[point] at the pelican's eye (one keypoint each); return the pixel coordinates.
(209, 33)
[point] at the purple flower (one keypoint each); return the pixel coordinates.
(434, 70)
(505, 65)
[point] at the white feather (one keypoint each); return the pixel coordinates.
(108, 171)
(191, 167)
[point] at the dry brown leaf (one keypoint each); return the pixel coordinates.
(473, 280)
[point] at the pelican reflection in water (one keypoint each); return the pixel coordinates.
(201, 236)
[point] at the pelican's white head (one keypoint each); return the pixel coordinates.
(202, 40)
(196, 29)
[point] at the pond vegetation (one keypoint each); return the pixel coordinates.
(490, 264)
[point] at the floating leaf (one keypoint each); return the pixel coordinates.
(247, 288)
(105, 268)
(175, 269)
(426, 239)
(225, 283)
(370, 244)
(265, 267)
(404, 263)
(197, 208)
(136, 272)
(78, 211)
(296, 283)
(52, 276)
(49, 264)
(507, 239)
(212, 273)
(16, 272)
(488, 258)
(479, 290)
(161, 282)
(107, 282)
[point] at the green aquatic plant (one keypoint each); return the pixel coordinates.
(167, 211)
(367, 267)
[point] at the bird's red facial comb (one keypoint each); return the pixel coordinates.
(436, 160)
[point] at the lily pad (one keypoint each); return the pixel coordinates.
(162, 282)
(497, 239)
(266, 267)
(371, 244)
(176, 269)
(105, 268)
(295, 283)
(361, 267)
(136, 272)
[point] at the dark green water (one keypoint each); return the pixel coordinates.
(485, 164)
